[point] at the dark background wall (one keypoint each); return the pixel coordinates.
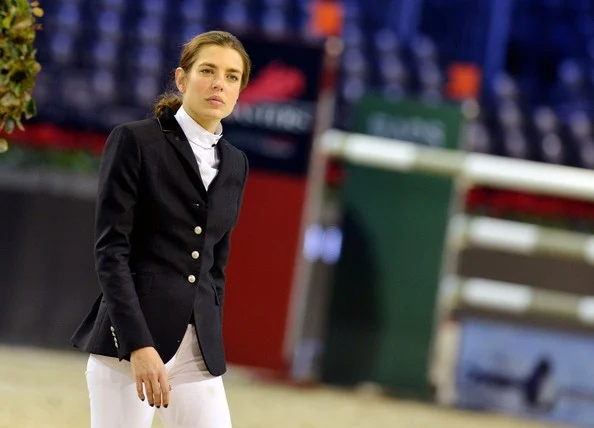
(47, 277)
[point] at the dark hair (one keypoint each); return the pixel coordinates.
(173, 99)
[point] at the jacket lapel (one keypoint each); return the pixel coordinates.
(176, 137)
(225, 165)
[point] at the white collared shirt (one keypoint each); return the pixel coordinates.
(203, 145)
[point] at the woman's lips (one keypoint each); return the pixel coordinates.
(215, 101)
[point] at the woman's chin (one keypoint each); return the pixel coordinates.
(215, 113)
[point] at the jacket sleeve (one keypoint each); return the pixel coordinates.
(119, 181)
(222, 248)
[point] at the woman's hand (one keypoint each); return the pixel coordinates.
(149, 370)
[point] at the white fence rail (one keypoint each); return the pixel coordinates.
(472, 167)
(519, 238)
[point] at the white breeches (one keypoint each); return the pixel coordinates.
(197, 398)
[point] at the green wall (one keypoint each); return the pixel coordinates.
(385, 283)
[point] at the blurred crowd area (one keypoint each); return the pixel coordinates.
(527, 62)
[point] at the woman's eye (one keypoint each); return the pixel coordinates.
(207, 71)
(234, 78)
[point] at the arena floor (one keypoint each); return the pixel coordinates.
(46, 389)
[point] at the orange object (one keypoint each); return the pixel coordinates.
(326, 18)
(464, 81)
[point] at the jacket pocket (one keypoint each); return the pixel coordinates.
(143, 282)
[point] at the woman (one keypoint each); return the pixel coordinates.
(170, 192)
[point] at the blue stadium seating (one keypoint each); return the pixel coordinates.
(114, 56)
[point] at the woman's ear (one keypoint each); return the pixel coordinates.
(180, 79)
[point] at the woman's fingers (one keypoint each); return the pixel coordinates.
(149, 392)
(139, 388)
(165, 388)
(156, 391)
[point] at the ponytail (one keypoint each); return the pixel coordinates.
(170, 99)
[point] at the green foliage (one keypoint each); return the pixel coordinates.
(18, 66)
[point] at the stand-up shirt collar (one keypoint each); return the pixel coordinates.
(197, 134)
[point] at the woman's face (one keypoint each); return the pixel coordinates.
(211, 88)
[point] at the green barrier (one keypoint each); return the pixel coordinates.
(385, 284)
